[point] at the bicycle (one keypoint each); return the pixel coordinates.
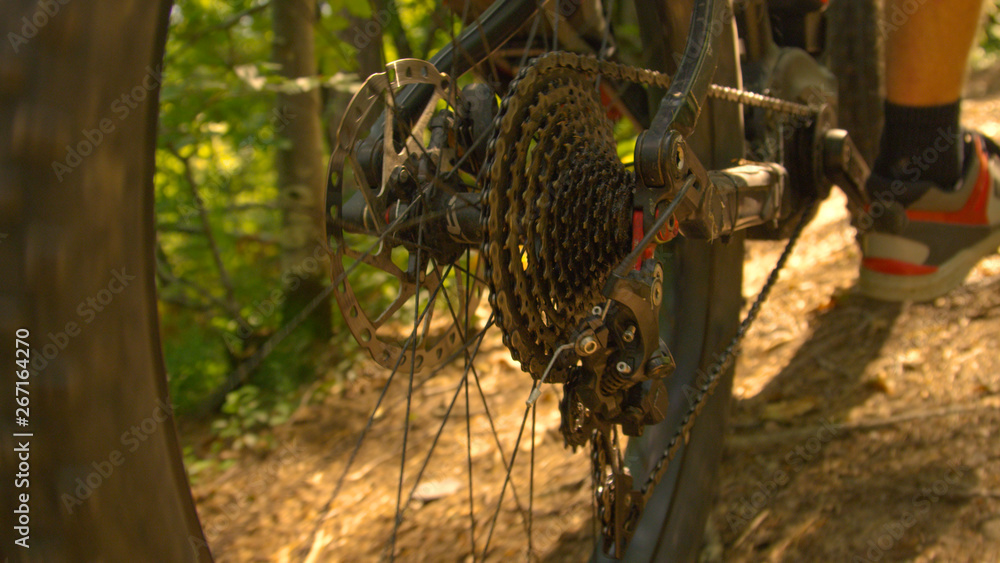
(629, 343)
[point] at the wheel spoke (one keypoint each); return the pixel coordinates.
(326, 511)
(489, 416)
(496, 436)
(409, 403)
(531, 35)
(463, 382)
(433, 278)
(555, 27)
(531, 480)
(434, 442)
(470, 277)
(404, 139)
(468, 450)
(506, 480)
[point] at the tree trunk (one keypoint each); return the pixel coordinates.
(301, 166)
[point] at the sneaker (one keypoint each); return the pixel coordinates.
(919, 241)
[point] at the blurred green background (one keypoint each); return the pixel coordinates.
(232, 116)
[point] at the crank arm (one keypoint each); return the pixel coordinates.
(845, 167)
(717, 203)
(721, 202)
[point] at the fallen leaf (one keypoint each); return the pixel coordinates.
(787, 410)
(433, 490)
(912, 359)
(879, 383)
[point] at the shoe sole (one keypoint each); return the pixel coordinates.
(951, 274)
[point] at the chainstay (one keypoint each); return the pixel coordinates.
(722, 363)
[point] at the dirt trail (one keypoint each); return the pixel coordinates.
(864, 431)
(860, 431)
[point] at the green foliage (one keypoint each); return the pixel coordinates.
(219, 253)
(218, 127)
(194, 355)
(990, 41)
(197, 466)
(248, 417)
(219, 257)
(214, 135)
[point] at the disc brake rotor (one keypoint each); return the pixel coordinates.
(407, 291)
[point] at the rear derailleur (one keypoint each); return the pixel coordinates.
(623, 362)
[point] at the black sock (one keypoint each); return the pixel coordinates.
(921, 144)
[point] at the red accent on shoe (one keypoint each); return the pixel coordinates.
(974, 212)
(897, 267)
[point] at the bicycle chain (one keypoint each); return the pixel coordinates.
(557, 211)
(539, 302)
(722, 363)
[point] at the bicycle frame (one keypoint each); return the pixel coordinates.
(718, 203)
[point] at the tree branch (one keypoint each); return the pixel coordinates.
(184, 303)
(230, 303)
(169, 278)
(395, 27)
(227, 24)
(177, 228)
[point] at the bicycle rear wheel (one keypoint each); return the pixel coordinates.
(107, 481)
(704, 297)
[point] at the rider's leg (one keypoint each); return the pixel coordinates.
(927, 48)
(935, 188)
(926, 53)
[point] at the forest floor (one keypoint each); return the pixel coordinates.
(859, 431)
